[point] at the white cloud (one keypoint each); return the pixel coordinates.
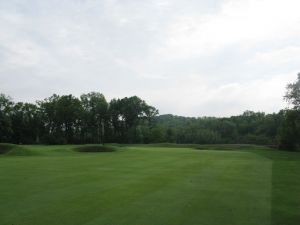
(199, 97)
(286, 55)
(244, 22)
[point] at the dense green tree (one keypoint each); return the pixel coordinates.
(227, 130)
(157, 134)
(290, 130)
(250, 127)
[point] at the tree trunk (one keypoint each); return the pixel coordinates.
(102, 132)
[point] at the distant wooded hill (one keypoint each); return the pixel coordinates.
(90, 118)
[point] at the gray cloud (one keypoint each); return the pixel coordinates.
(190, 58)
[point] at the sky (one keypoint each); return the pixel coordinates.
(189, 58)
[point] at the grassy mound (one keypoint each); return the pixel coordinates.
(162, 145)
(172, 145)
(16, 150)
(20, 150)
(5, 148)
(94, 148)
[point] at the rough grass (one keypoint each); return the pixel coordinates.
(150, 186)
(230, 147)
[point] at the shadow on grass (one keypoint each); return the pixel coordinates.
(286, 189)
(285, 193)
(285, 180)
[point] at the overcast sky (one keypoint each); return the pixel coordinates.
(191, 58)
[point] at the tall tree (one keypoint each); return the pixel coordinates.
(290, 130)
(62, 118)
(95, 110)
(6, 130)
(293, 93)
(117, 120)
(26, 123)
(289, 135)
(126, 116)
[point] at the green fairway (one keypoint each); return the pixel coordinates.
(140, 185)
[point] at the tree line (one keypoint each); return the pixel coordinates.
(67, 119)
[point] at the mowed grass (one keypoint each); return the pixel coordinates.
(140, 185)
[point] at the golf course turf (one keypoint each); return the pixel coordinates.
(149, 185)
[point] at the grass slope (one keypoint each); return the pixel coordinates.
(138, 185)
(5, 148)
